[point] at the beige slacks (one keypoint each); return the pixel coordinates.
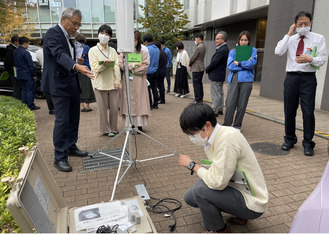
(108, 108)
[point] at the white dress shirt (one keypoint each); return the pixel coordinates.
(289, 44)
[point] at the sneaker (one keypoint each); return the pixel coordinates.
(177, 95)
(111, 134)
(183, 96)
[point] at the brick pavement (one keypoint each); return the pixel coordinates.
(290, 179)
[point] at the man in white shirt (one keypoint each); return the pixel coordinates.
(306, 52)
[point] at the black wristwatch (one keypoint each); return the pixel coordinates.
(190, 166)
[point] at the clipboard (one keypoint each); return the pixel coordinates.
(111, 64)
(243, 53)
(239, 178)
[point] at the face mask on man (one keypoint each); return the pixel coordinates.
(303, 31)
(198, 140)
(103, 39)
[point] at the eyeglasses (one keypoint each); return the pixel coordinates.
(76, 24)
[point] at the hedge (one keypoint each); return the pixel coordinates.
(17, 129)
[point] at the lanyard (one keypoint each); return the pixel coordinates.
(103, 53)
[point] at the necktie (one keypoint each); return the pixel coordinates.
(300, 47)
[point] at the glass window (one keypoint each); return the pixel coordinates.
(69, 3)
(44, 11)
(186, 4)
(109, 10)
(56, 10)
(83, 6)
(97, 11)
(32, 10)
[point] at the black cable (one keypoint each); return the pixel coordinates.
(158, 208)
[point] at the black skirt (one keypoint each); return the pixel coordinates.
(181, 83)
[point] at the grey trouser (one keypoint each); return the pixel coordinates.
(237, 98)
(217, 96)
(213, 202)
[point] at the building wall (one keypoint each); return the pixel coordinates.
(281, 14)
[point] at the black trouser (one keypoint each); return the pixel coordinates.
(160, 84)
(153, 86)
(198, 86)
(16, 88)
(168, 78)
(300, 86)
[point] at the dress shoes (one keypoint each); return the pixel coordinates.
(309, 152)
(224, 230)
(155, 107)
(162, 102)
(35, 108)
(220, 113)
(287, 146)
(62, 166)
(78, 153)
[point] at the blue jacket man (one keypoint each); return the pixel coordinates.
(169, 60)
(59, 79)
(26, 73)
(151, 71)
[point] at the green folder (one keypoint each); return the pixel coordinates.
(111, 64)
(314, 55)
(4, 75)
(134, 58)
(243, 53)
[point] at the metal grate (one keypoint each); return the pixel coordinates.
(101, 161)
(268, 149)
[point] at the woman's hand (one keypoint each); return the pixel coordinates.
(184, 160)
(116, 87)
(236, 63)
(106, 62)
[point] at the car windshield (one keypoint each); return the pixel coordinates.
(33, 48)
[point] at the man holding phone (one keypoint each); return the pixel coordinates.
(306, 52)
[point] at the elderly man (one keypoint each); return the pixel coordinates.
(216, 72)
(59, 79)
(305, 52)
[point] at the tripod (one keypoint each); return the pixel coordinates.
(128, 131)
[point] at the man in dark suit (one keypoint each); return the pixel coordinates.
(216, 72)
(9, 65)
(161, 73)
(59, 79)
(197, 67)
(26, 73)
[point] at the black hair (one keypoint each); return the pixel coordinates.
(157, 44)
(179, 45)
(199, 35)
(244, 33)
(14, 38)
(148, 38)
(162, 42)
(195, 116)
(303, 13)
(80, 38)
(23, 40)
(105, 28)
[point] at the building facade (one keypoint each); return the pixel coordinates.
(267, 21)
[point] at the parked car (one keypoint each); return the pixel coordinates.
(7, 85)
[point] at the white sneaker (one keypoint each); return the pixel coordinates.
(182, 96)
(177, 95)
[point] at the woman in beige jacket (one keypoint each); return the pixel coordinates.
(139, 100)
(104, 64)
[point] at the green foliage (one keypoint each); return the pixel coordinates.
(164, 20)
(17, 129)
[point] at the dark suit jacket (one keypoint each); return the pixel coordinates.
(197, 58)
(217, 68)
(161, 72)
(9, 60)
(24, 64)
(58, 77)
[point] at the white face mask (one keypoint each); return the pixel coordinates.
(198, 140)
(103, 39)
(195, 43)
(303, 31)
